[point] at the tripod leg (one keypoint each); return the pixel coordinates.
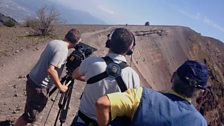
(50, 109)
(55, 88)
(64, 99)
(64, 112)
(55, 122)
(61, 105)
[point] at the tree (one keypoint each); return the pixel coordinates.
(45, 21)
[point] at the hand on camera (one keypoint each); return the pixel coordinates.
(63, 88)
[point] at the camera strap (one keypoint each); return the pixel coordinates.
(113, 70)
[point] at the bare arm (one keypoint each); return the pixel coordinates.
(76, 75)
(54, 76)
(103, 111)
(117, 105)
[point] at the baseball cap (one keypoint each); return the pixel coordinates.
(194, 73)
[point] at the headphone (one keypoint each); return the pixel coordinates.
(108, 42)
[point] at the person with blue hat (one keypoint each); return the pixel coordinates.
(147, 107)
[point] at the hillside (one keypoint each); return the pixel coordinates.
(21, 10)
(6, 20)
(159, 51)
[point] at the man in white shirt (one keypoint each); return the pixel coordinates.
(120, 44)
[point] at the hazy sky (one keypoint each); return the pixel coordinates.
(203, 16)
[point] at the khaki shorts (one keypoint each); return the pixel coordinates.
(37, 98)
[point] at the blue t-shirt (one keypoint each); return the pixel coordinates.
(164, 109)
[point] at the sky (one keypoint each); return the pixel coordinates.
(203, 16)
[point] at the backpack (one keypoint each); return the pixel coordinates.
(113, 70)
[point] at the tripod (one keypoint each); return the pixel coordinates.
(64, 100)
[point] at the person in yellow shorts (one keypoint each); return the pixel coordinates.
(147, 107)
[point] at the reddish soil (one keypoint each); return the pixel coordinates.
(159, 51)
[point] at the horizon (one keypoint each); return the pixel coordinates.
(203, 16)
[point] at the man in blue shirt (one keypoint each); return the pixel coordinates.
(146, 107)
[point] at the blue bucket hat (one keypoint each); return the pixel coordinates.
(194, 73)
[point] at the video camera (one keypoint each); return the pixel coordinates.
(81, 52)
(74, 60)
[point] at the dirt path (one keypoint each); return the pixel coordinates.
(12, 84)
(158, 52)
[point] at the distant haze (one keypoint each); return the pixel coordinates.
(22, 9)
(203, 16)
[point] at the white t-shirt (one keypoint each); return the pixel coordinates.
(93, 66)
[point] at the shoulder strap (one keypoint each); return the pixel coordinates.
(121, 83)
(107, 59)
(103, 75)
(100, 76)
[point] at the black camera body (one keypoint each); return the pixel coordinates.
(81, 52)
(74, 60)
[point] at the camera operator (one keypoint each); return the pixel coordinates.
(120, 42)
(44, 74)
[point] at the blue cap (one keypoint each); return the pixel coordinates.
(194, 73)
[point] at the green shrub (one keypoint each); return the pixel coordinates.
(10, 23)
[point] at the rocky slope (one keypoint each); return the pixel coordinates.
(159, 51)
